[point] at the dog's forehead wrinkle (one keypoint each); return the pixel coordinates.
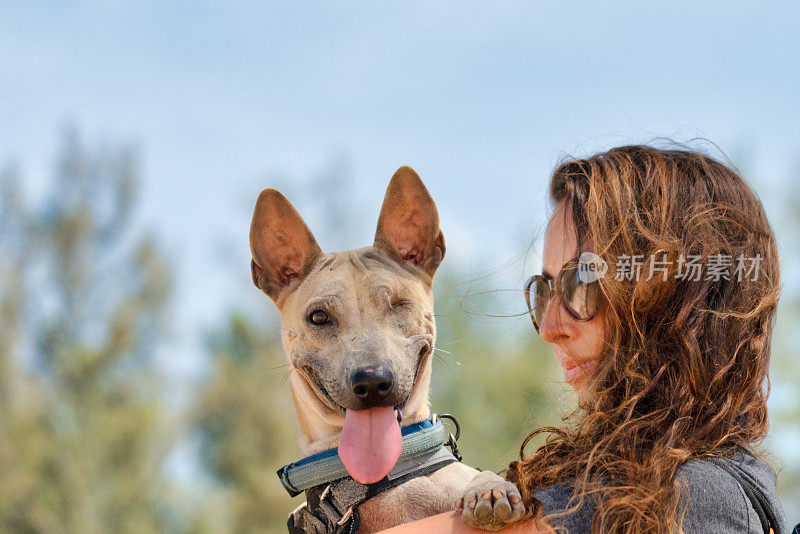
(383, 285)
(326, 285)
(380, 292)
(330, 266)
(378, 260)
(354, 257)
(332, 296)
(373, 256)
(322, 266)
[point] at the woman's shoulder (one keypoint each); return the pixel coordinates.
(556, 498)
(713, 500)
(716, 502)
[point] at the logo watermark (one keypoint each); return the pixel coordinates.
(592, 267)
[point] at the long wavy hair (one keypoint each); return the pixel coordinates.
(684, 369)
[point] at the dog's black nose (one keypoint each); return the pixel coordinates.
(371, 385)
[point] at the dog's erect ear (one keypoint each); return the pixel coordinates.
(283, 247)
(408, 226)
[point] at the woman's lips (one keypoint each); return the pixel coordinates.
(573, 371)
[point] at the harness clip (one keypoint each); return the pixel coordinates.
(346, 517)
(451, 440)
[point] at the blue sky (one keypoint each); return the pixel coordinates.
(481, 98)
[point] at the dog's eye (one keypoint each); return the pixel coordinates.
(318, 317)
(396, 304)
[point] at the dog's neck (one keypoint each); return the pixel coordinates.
(320, 424)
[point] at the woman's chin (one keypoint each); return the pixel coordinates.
(578, 375)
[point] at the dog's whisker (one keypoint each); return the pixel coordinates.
(444, 362)
(286, 376)
(442, 359)
(454, 342)
(289, 370)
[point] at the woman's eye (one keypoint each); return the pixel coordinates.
(318, 317)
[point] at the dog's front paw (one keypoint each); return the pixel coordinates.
(490, 502)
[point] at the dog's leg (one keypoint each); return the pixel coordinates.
(491, 502)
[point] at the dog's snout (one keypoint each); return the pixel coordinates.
(371, 385)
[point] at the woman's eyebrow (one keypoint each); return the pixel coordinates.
(546, 274)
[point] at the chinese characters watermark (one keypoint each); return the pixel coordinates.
(716, 267)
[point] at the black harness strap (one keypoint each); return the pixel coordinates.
(757, 499)
(334, 506)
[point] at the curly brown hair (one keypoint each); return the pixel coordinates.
(684, 369)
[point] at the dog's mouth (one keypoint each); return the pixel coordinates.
(421, 358)
(371, 439)
(312, 378)
(329, 401)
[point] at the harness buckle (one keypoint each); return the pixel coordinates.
(451, 440)
(326, 492)
(296, 510)
(345, 518)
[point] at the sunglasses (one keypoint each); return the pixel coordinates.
(579, 298)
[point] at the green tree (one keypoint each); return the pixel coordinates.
(246, 423)
(82, 307)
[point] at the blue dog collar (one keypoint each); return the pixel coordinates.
(420, 439)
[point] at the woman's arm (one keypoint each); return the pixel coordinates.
(451, 523)
(491, 503)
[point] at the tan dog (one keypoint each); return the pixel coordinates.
(358, 331)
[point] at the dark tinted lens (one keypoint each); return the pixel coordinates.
(540, 296)
(580, 298)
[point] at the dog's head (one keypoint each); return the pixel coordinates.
(357, 325)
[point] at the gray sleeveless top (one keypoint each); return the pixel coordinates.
(716, 501)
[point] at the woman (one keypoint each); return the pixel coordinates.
(668, 350)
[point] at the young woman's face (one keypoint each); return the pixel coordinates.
(576, 344)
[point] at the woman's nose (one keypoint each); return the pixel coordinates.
(552, 327)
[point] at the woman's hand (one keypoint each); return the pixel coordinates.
(490, 502)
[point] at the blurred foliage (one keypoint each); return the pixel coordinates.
(82, 304)
(785, 371)
(84, 430)
(247, 428)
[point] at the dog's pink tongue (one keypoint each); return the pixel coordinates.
(371, 443)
